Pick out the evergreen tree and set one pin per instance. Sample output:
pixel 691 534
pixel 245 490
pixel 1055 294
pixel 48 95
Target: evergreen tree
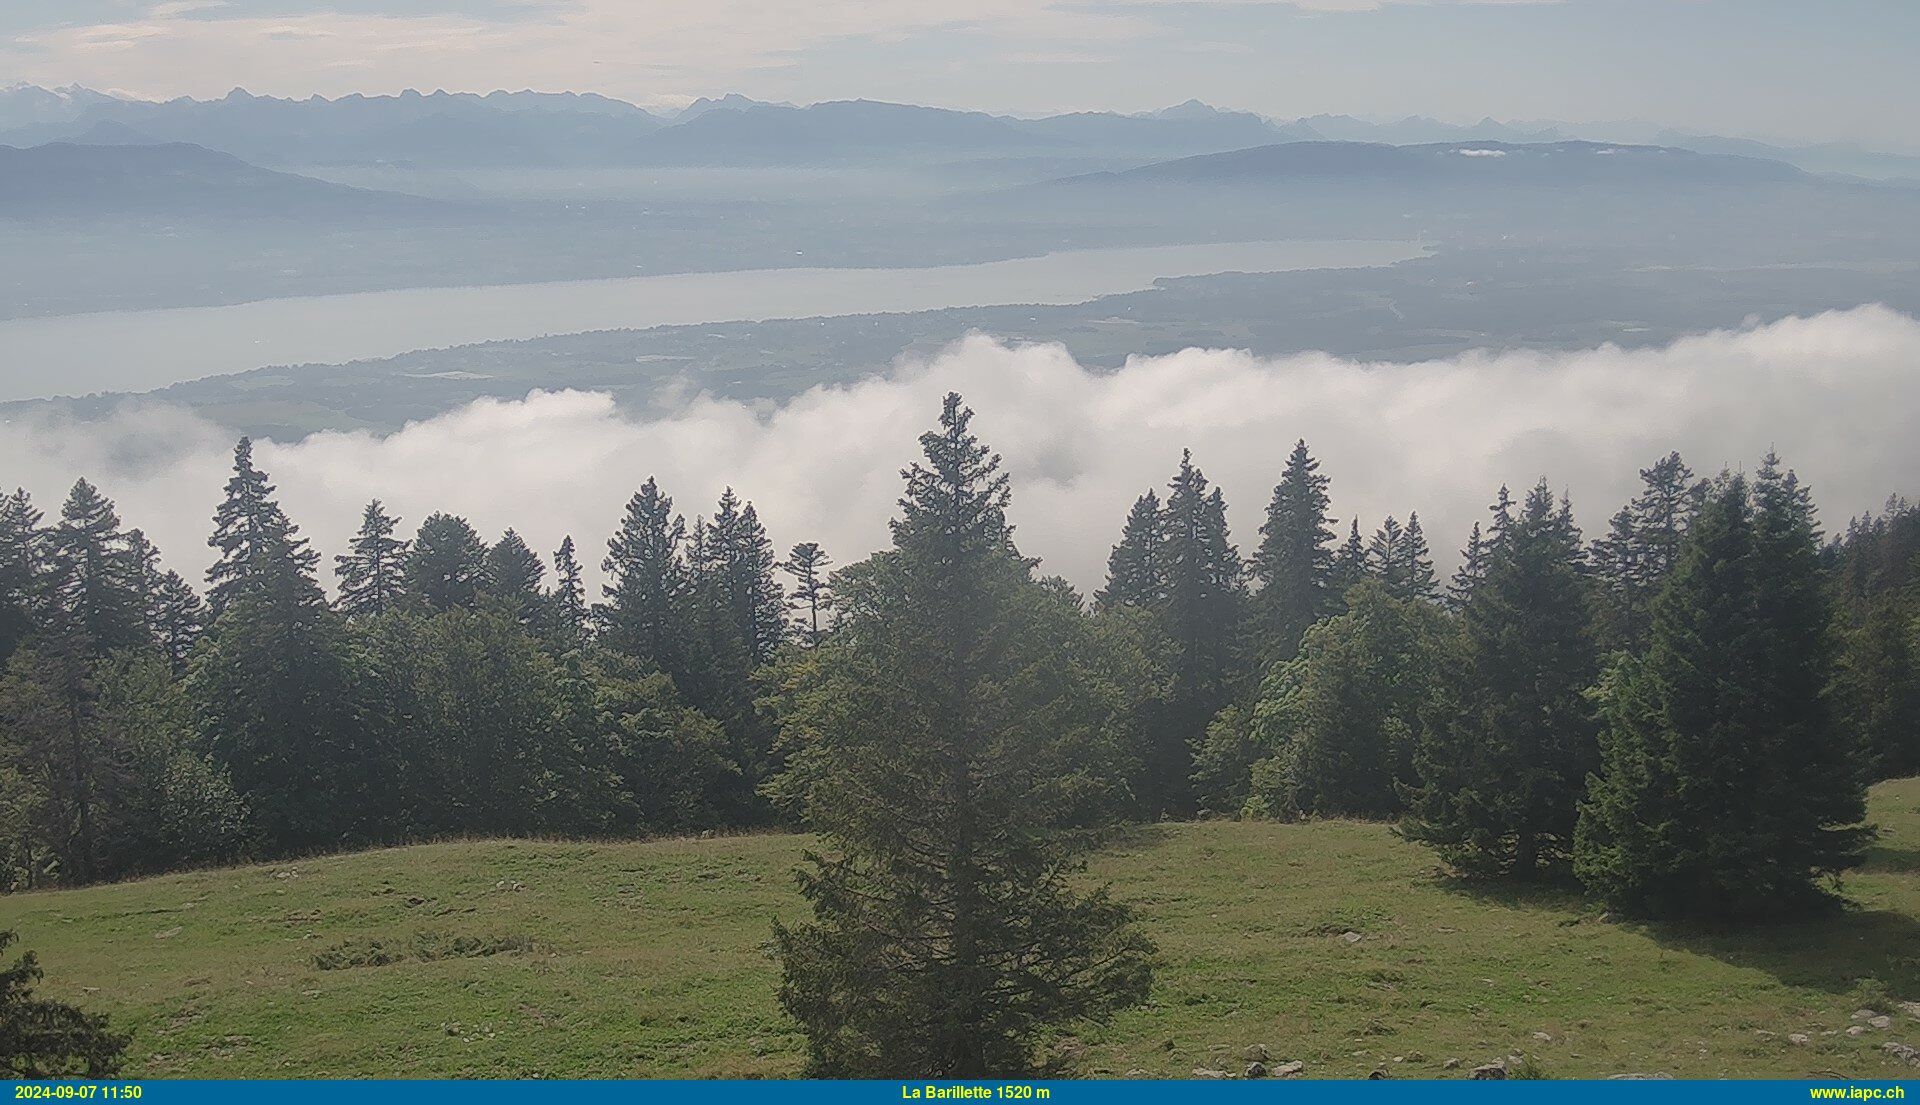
pixel 44 1039
pixel 807 563
pixel 1878 682
pixel 1203 614
pixel 569 597
pixel 1473 569
pixel 1136 569
pixel 1398 557
pixel 1350 563
pixel 372 574
pixel 514 577
pixel 648 582
pixel 744 563
pixel 47 713
pixel 256 543
pixel 1504 757
pixel 1726 790
pixel 1294 564
pixel 949 739
pixel 97 573
pixel 1641 546
pixel 23 564
pixel 179 618
pixel 447 565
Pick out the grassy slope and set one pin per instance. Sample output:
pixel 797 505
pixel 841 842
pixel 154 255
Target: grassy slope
pixel 650 960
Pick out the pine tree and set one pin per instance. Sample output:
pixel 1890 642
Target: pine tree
pixel 569 596
pixel 1641 546
pixel 1398 558
pixel 949 743
pixel 744 559
pixel 255 541
pixel 23 566
pixel 1136 571
pixel 179 619
pixel 1350 563
pixel 643 614
pixel 514 577
pixel 372 573
pixel 1473 569
pixel 1294 564
pixel 97 576
pixel 1504 757
pixel 43 1039
pixel 807 563
pixel 1726 789
pixel 447 565
pixel 1203 614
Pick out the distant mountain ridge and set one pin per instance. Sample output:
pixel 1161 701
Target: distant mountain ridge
pixel 535 129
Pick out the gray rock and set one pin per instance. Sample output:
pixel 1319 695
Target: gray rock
pixel 1257 1053
pixel 1911 1009
pixel 1289 1070
pixel 1451 1064
pixel 1904 1052
pixel 1856 1030
pixel 1209 1072
pixel 1865 1014
pixel 1256 1069
pixel 1377 1075
pixel 1543 1037
pixel 1880 1022
pixel 1350 937
pixel 1799 1039
pixel 1489 1072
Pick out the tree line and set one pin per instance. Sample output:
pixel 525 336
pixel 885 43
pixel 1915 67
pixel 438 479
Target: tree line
pixel 1683 714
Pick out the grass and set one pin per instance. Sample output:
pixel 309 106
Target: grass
pixel 515 959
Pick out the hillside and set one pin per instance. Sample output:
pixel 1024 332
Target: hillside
pixel 174 179
pixel 1330 943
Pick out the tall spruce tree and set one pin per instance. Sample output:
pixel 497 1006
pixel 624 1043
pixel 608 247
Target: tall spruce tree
pixel 1350 562
pixel 372 573
pixel 98 573
pixel 256 543
pixel 569 596
pixel 744 561
pixel 45 1039
pixel 1726 788
pixel 23 564
pixel 1136 569
pixel 1398 558
pixel 446 568
pixel 807 563
pixel 1472 569
pixel 1641 547
pixel 648 581
pixel 1504 757
pixel 949 742
pixel 1294 564
pixel 514 578
pixel 179 619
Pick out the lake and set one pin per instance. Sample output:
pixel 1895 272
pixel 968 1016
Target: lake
pixel 143 350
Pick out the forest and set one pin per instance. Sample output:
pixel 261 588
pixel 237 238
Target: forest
pixel 1682 715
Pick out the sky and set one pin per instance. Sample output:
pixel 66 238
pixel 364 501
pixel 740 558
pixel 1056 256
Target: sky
pixel 1782 69
pixel 1438 437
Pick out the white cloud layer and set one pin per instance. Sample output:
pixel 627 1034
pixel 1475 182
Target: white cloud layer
pixel 1834 393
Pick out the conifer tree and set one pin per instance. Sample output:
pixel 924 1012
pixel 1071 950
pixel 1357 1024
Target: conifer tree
pixel 1204 615
pixel 1472 569
pixel 1641 546
pixel 1350 563
pixel 179 618
pixel 744 562
pixel 1136 569
pixel 948 742
pixel 1726 789
pixel 256 543
pixel 514 577
pixel 807 563
pixel 98 573
pixel 372 572
pixel 1399 559
pixel 648 582
pixel 1504 757
pixel 23 564
pixel 44 1039
pixel 446 567
pixel 1294 564
pixel 569 596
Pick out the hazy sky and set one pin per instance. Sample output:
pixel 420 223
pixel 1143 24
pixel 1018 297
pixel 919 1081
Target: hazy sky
pixel 1782 68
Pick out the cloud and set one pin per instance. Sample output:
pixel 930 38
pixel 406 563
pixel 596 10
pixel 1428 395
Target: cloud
pixel 1833 393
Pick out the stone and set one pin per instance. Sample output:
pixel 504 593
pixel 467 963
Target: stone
pixel 1638 1077
pixel 1451 1064
pixel 1136 1072
pixel 1543 1037
pixel 1257 1053
pixel 1880 1022
pixel 1911 1009
pixel 1289 1070
pixel 1256 1069
pixel 1857 1030
pixel 1489 1072
pixel 1865 1014
pixel 1799 1039
pixel 1904 1052
pixel 1350 937
pixel 1377 1075
pixel 1209 1072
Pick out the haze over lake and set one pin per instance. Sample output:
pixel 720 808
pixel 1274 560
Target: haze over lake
pixel 141 350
